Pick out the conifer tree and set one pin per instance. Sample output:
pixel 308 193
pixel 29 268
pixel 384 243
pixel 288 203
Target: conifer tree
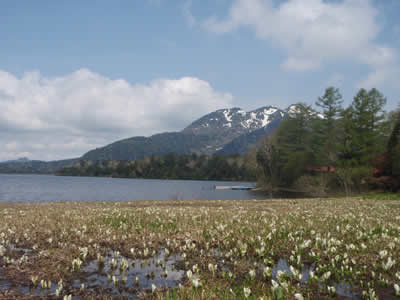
pixel 326 130
pixel 331 104
pixel 290 151
pixel 366 128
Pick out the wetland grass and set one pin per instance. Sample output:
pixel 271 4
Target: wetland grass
pixel 253 249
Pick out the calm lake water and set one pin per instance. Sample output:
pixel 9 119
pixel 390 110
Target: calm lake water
pixel 48 188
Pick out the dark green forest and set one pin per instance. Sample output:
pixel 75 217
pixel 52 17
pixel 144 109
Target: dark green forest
pixel 170 166
pixel 334 149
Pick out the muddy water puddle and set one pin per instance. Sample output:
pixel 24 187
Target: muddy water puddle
pixel 117 275
pixel 112 275
pixel 121 275
pixel 343 289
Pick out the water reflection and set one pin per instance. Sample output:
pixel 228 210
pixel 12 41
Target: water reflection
pixel 123 276
pixel 120 276
pixel 113 275
pixel 343 289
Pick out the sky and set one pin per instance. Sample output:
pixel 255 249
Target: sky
pixel 76 75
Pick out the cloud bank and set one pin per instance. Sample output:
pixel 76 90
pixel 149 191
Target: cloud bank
pixel 316 32
pixel 63 117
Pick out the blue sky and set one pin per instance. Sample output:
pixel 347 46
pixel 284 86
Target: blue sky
pixel 79 74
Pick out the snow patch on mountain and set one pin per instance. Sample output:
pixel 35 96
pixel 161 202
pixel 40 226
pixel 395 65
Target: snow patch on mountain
pixel 265 121
pixel 227 116
pixel 270 111
pixel 292 110
pixel 231 122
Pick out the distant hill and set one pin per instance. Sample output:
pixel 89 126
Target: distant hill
pixel 140 147
pixel 21 159
pixel 35 166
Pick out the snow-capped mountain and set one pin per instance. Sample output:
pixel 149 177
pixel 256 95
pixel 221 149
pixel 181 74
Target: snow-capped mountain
pixel 235 119
pixel 225 125
pixel 225 131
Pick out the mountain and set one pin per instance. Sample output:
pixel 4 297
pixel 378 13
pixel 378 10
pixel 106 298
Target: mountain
pixel 225 131
pixel 207 135
pixel 225 125
pixel 243 143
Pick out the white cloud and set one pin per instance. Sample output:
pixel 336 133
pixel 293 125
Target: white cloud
pixel 386 76
pixel 314 32
pixel 385 69
pixel 52 118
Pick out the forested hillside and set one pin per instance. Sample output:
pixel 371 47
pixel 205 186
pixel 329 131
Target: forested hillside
pixel 170 166
pixel 140 147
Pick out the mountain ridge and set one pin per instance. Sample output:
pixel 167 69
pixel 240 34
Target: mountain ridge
pixel 206 135
pixel 224 131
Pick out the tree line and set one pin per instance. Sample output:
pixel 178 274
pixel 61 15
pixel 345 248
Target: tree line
pixel 334 149
pixel 170 166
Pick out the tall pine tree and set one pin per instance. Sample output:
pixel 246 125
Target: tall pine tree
pixel 367 125
pixel 326 129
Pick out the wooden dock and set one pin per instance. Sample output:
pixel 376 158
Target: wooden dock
pixel 234 188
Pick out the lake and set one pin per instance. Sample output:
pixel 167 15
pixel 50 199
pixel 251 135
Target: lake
pixel 48 188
